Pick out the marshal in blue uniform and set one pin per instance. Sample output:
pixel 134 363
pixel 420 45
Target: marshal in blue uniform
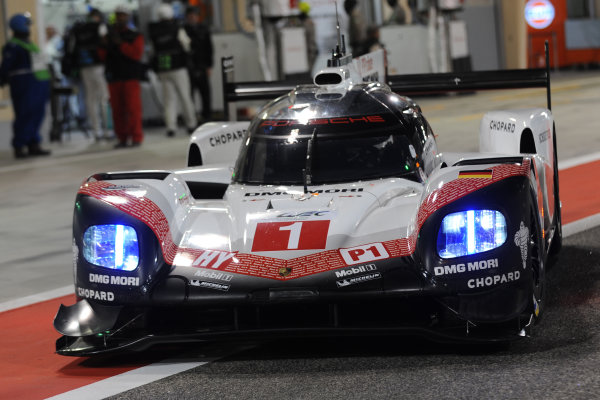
pixel 24 69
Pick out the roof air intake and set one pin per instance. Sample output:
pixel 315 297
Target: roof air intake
pixel 328 78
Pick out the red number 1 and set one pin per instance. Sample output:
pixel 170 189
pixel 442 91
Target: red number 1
pixel 300 235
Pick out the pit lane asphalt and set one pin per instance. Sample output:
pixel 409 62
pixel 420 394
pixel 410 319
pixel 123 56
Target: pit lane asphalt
pixel 561 360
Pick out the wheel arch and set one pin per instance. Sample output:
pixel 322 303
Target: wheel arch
pixel 194 156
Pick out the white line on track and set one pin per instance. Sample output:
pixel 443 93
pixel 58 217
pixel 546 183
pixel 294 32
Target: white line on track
pixel 575 161
pixel 36 298
pixel 581 225
pixel 132 379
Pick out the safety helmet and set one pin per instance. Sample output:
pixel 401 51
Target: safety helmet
pixel 20 23
pixel 304 7
pixel 165 11
pixel 122 9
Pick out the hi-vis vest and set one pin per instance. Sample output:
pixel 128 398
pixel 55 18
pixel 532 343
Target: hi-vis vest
pixel 39 67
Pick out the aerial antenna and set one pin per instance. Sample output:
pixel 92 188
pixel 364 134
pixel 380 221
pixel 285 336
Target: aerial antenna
pixel 337 21
pixel 338 54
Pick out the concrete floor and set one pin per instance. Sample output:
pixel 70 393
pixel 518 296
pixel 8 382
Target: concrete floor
pixel 36 196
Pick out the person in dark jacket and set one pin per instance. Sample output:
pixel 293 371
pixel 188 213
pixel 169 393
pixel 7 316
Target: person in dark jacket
pixel 171 45
pixel 25 70
pixel 124 70
pixel 83 43
pixel 357 28
pixel 201 59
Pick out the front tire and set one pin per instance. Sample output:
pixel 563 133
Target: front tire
pixel 557 238
pixel 538 269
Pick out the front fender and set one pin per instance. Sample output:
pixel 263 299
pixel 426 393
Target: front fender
pixel 216 142
pixel 493 285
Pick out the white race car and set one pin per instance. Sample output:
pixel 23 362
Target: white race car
pixel 332 212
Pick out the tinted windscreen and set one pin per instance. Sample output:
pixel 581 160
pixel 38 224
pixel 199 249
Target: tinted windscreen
pixel 340 152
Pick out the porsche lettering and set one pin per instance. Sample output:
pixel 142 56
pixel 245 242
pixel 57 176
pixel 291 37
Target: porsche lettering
pixel 367 119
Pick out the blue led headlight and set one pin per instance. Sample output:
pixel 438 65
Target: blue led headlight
pixel 470 232
pixel 111 246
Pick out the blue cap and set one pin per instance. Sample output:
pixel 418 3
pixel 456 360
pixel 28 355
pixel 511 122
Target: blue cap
pixel 20 23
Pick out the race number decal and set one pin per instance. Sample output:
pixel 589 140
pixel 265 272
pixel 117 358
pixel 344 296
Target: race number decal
pixel 298 235
pixel 364 253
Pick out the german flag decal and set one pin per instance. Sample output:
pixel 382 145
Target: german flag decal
pixel 476 174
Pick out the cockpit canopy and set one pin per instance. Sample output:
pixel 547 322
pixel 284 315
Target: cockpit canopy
pixel 365 133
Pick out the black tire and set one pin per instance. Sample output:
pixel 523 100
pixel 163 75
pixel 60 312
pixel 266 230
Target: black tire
pixel 538 267
pixel 557 239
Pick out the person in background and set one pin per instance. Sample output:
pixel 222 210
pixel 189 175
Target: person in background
pixel 401 13
pixel 124 48
pixel 356 30
pixel 310 35
pixel 171 46
pixel 53 50
pixel 372 42
pixel 201 59
pixel 82 50
pixel 24 68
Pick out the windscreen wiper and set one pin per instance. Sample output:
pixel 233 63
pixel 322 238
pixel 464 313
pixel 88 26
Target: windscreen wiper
pixel 307 171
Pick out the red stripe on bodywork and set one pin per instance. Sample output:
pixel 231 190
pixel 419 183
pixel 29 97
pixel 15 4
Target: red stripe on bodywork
pixel 148 212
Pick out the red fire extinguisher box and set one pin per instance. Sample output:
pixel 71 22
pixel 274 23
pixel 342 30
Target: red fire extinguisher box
pixel 573 33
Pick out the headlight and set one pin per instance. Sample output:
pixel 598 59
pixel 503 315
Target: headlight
pixel 470 232
pixel 111 246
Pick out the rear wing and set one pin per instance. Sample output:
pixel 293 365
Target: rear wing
pixel 401 84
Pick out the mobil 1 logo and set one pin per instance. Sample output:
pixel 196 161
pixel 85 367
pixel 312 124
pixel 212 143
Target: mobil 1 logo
pixel 354 275
pixel 360 269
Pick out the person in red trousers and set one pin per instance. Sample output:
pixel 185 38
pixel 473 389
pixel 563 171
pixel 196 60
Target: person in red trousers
pixel 122 52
